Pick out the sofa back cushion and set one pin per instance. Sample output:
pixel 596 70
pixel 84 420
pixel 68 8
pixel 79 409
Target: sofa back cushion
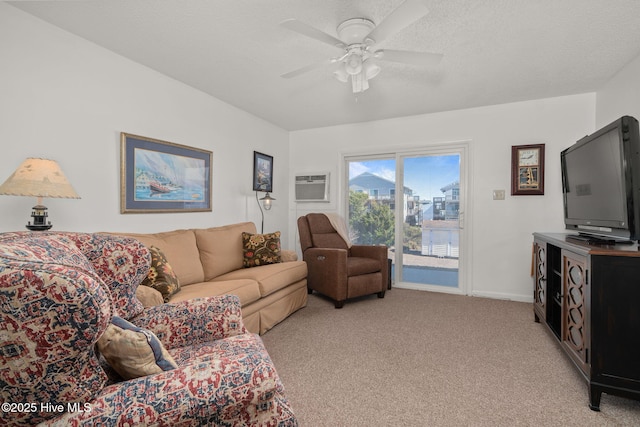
pixel 55 310
pixel 181 251
pixel 221 248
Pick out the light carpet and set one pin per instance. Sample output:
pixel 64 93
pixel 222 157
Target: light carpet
pixel 430 359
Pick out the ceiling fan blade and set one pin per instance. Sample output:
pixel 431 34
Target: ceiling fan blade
pixel 424 59
pixel 405 14
pixel 309 31
pixel 306 69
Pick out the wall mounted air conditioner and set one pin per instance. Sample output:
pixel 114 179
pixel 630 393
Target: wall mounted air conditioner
pixel 312 187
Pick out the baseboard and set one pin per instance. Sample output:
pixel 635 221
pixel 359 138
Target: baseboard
pixel 457 291
pixel 500 295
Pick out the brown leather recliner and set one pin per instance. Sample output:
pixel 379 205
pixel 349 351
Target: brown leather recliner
pixel 337 270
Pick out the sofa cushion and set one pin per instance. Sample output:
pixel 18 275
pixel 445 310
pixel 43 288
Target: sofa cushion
pixel 132 351
pixel 161 276
pixel 181 251
pixel 247 290
pixel 221 248
pixel 270 277
pixel 260 249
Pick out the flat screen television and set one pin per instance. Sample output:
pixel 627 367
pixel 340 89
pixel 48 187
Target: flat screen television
pixel 601 184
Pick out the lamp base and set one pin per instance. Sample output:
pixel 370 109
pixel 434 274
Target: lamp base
pixel 39 215
pixel 38 227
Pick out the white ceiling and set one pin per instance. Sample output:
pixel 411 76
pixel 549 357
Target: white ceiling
pixel 495 51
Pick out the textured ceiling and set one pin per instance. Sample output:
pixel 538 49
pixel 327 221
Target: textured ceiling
pixel 495 51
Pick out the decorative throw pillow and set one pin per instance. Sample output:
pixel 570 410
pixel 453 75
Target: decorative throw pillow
pixel 260 249
pixel 161 276
pixel 132 351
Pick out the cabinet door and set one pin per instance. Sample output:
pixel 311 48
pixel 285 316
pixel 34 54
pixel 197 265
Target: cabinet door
pixel 574 323
pixel 540 279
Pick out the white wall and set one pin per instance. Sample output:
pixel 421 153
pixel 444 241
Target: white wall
pixel 64 98
pixel 500 231
pixel 620 96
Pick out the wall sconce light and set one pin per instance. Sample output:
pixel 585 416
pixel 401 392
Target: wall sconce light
pixel 39 178
pixel 266 202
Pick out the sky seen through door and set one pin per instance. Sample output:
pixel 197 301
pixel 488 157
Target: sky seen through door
pixel 438 170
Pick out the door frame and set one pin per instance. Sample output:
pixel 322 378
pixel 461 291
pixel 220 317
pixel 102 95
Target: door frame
pixel 463 148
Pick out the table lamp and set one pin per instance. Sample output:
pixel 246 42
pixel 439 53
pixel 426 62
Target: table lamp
pixel 39 178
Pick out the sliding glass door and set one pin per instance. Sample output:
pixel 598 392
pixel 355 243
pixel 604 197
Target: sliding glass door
pixel 430 227
pixel 410 202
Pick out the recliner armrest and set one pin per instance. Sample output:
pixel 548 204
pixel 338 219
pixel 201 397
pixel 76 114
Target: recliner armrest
pixel 326 255
pixel 369 251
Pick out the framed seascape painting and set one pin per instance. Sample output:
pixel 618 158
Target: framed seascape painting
pixel 262 172
pixel 158 176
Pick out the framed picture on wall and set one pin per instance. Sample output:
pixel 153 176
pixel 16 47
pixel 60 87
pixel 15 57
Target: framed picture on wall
pixel 159 176
pixel 262 172
pixel 527 169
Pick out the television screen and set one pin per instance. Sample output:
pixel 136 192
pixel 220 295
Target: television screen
pixel 600 181
pixel 594 190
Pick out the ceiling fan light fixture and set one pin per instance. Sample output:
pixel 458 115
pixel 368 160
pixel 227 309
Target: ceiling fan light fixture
pixel 353 63
pixel 371 70
pixel 359 83
pixel 341 75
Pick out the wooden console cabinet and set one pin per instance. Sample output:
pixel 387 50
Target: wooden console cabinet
pixel 589 298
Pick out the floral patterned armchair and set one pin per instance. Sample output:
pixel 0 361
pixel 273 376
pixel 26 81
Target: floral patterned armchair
pixel 58 295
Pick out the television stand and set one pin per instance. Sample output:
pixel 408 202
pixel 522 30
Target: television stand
pixel 587 297
pixel 598 240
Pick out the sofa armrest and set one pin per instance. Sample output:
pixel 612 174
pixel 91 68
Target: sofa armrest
pixel 148 296
pixel 288 256
pixel 194 321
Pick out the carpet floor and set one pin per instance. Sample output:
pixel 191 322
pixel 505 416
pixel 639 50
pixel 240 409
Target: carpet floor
pixel 430 359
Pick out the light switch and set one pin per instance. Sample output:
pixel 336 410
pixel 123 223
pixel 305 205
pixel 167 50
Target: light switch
pixel 498 194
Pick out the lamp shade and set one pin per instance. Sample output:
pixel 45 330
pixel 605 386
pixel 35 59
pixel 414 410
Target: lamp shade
pixel 266 201
pixel 38 178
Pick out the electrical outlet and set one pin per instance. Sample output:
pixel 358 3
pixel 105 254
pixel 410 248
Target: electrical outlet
pixel 498 194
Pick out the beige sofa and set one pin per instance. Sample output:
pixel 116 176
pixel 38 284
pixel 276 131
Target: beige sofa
pixel 209 262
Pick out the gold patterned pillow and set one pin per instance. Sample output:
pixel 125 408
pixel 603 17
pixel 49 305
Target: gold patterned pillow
pixel 260 249
pixel 161 276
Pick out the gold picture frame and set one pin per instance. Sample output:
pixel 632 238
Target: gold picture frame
pixel 159 176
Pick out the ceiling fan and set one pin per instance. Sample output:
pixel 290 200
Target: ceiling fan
pixel 357 38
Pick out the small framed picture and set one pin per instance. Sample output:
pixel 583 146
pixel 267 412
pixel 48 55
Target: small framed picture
pixel 262 172
pixel 159 176
pixel 527 170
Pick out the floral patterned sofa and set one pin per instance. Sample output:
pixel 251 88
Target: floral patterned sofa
pixel 60 292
